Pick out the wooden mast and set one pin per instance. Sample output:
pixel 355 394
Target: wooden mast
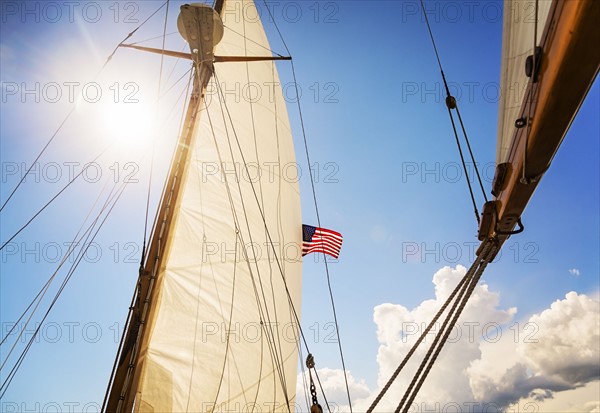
pixel 569 64
pixel 122 388
pixel 121 392
pixel 126 366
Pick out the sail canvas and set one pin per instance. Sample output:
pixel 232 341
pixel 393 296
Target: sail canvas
pixel 222 335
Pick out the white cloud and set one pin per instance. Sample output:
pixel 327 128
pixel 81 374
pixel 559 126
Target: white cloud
pixel 568 341
pixel 579 400
pixel 491 361
pixel 334 388
pixel 575 272
pixel 399 327
pixel 556 350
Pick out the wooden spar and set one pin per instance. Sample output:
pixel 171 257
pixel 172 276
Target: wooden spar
pixel 217 59
pixel 129 363
pixel 568 68
pixel 120 391
pixel 171 53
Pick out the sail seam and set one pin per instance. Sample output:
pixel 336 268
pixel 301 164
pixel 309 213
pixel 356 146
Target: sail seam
pixel 279 357
pixel 238 236
pixel 268 329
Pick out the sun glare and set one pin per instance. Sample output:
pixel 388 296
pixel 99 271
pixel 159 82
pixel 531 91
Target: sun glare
pixel 130 124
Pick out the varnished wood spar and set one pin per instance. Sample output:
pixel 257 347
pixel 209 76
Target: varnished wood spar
pixel 155 252
pixel 217 59
pixel 180 55
pixel 131 361
pixel 220 59
pixel 568 68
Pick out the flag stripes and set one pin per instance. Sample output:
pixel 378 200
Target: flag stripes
pixel 323 240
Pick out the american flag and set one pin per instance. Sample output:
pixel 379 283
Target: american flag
pixel 315 239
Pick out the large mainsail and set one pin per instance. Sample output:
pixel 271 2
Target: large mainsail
pixel 519 26
pixel 221 330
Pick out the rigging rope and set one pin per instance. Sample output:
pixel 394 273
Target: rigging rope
pixel 157 230
pixel 436 342
pixel 452 104
pixel 120 348
pixel 224 109
pixel 16 323
pixel 42 292
pixel 162 58
pixel 108 59
pixel 466 286
pixel 268 330
pixel 417 343
pixel 271 243
pixel 260 185
pixel 53 198
pixel 69 252
pixel 252 41
pixel 8 380
pixel 233 281
pixel 471 153
pixel 176 82
pixel 46 286
pixel 276 258
pixel 6 383
pixel 488 253
pixel 175 66
pixel 303 375
pixel 459 297
pixel 154 38
pixel 39 156
pixel 133 354
pixel 337 329
pixel 186 90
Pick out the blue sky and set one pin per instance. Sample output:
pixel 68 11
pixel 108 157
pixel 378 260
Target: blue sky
pixel 380 138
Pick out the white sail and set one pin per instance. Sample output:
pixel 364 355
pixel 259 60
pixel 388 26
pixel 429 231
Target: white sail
pixel 517 44
pixel 222 334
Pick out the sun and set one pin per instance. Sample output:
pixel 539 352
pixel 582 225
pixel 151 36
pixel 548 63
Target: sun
pixel 129 124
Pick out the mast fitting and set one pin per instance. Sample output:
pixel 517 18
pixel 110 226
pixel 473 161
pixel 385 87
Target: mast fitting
pixel 531 61
pixel 201 26
pixel 316 407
